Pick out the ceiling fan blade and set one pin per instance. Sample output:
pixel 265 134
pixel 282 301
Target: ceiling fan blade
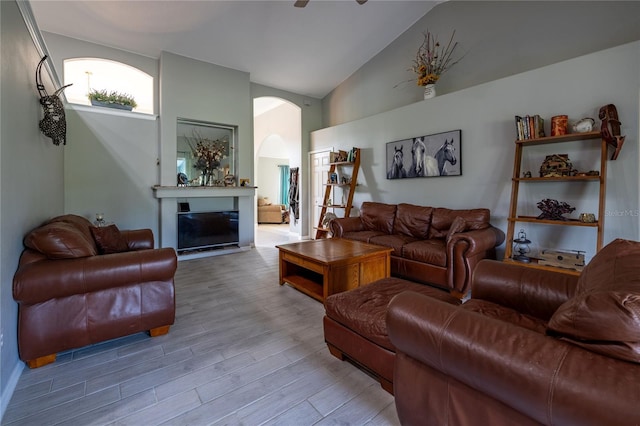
pixel 361 1
pixel 301 3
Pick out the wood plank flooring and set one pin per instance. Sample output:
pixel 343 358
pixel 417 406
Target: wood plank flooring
pixel 243 351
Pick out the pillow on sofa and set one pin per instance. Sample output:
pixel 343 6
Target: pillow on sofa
pixel 604 314
pixel 443 218
pixel 378 216
pixel 458 225
pixel 412 220
pixel 263 202
pixel 59 240
pixel 109 239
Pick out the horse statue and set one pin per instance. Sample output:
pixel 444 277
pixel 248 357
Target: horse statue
pixel 419 153
pixel 397 170
pixel 435 166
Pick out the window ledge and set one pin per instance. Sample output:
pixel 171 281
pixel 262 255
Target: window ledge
pixel 110 111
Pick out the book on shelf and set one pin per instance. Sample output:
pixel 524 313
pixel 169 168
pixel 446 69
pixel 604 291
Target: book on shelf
pixel 529 127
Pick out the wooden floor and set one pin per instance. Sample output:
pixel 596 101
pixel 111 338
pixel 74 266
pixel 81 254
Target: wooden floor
pixel 243 351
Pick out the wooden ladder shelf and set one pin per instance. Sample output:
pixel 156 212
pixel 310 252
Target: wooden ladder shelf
pixel 334 167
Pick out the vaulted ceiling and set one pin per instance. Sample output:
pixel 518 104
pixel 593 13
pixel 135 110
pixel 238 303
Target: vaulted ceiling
pixel 308 50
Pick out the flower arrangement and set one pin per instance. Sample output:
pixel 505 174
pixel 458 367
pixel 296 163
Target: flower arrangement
pixel 207 152
pixel 432 59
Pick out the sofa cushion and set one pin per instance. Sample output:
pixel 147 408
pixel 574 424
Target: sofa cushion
pixel 604 314
pixel 364 309
pixel 363 236
pixel 60 240
pixel 378 216
pixel 432 251
pixel 109 239
pixel 413 221
pixel 396 242
pixel 443 218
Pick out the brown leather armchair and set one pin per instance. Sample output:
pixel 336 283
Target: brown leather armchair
pixel 70 295
pixel 530 347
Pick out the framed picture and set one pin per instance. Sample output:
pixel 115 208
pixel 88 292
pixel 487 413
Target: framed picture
pixel 425 156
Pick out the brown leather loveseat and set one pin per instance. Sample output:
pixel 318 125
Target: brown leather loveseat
pixel 77 285
pixel 530 347
pixel 436 246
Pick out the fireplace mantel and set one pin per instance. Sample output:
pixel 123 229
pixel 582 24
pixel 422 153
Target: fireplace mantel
pixel 237 198
pixel 203 191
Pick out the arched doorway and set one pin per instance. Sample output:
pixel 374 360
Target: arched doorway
pixel 277 130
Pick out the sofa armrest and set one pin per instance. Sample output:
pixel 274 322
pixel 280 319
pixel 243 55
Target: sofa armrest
pixel 548 380
pixel 138 239
pixel 345 224
pixel 43 280
pixel 465 250
pixel 535 292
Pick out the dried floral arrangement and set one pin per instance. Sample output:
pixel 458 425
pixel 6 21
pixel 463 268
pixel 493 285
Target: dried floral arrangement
pixel 433 59
pixel 207 152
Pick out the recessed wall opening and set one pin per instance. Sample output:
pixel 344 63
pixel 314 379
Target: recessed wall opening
pixel 86 74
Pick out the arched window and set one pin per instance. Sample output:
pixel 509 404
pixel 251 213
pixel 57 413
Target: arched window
pixel 102 74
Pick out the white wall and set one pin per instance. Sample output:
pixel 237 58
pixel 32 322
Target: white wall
pixel 110 167
pixel 31 174
pixel 485 114
pixel 496 39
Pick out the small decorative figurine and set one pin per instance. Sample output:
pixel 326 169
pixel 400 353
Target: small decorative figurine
pixel 584 125
pixel 554 209
pixel 557 165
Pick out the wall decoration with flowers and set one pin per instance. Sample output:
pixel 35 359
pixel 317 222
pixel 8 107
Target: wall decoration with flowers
pixel 432 60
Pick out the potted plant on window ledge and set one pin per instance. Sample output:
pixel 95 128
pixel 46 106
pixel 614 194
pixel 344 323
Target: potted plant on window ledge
pixel 112 99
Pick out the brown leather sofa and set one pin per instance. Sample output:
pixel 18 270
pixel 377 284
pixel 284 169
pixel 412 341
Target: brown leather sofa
pixel 530 347
pixel 436 246
pixel 77 285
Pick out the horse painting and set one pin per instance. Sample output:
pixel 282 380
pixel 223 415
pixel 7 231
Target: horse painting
pixel 397 170
pixel 432 155
pixel 447 152
pixel 419 154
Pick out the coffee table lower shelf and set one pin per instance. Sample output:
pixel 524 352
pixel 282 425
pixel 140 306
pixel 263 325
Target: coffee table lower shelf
pixel 305 285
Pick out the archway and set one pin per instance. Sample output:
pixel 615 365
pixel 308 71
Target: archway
pixel 277 125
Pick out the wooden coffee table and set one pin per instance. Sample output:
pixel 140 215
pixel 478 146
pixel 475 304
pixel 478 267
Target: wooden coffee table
pixel 323 267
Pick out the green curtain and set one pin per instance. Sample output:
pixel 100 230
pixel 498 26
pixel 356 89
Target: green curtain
pixel 284 185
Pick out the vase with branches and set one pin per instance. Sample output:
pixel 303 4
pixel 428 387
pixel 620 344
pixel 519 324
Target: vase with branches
pixel 433 59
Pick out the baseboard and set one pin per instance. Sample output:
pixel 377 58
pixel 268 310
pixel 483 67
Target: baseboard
pixel 7 392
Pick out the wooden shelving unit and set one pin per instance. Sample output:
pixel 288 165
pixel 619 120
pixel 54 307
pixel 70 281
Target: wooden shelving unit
pixel 517 180
pixel 321 231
